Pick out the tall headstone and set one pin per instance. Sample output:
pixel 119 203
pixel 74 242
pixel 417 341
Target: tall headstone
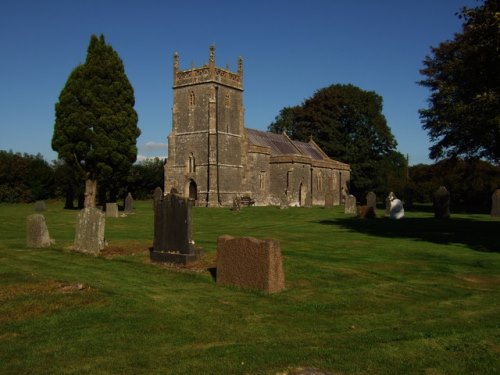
pixel 250 263
pixel 37 233
pixel 350 205
pixel 441 203
pixel 371 200
pixel 495 203
pixel 89 235
pixel 40 206
pixel 129 204
pixel 173 241
pixel 111 210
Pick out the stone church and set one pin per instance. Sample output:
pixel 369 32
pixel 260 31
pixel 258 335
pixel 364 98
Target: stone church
pixel 212 157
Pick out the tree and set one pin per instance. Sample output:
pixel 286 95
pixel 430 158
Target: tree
pixel 347 122
pixel 96 124
pixel 144 177
pixel 463 116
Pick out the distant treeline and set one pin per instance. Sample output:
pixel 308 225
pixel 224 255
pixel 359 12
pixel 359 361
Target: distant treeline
pixel 27 178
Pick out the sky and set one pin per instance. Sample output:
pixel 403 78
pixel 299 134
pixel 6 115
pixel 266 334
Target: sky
pixel 290 48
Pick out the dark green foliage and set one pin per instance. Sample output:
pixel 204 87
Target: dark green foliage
pixel 463 117
pixel 347 122
pixel 96 125
pixel 25 178
pixel 144 177
pixel 470 183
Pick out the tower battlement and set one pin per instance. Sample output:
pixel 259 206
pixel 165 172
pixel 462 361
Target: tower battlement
pixel 208 73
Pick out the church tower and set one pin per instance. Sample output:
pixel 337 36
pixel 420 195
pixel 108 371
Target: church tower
pixel 206 148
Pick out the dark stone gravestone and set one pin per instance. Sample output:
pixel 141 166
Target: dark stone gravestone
pixel 129 204
pixel 40 206
pixel 173 231
pixel 371 200
pixel 89 235
pixel 157 195
pixel 37 233
pixel 350 205
pixel 111 210
pixel 495 203
pixel 441 203
pixel 366 212
pixel 329 199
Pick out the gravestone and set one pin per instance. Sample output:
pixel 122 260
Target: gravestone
pixel 495 203
pixel 129 204
pixel 157 194
pixel 371 200
pixel 366 212
pixel 37 233
pixel 236 203
pixel 396 210
pixel 250 263
pixel 40 206
pixel 329 199
pixel 173 241
pixel 89 235
pixel 111 210
pixel 441 203
pixel 350 204
pixel 388 201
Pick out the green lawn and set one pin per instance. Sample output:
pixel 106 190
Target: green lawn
pixel 416 296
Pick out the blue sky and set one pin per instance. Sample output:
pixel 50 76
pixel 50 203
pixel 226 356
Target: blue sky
pixel 291 48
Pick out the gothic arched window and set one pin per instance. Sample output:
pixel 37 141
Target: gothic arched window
pixel 192 99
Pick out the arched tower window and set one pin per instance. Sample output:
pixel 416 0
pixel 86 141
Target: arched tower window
pixel 192 99
pixel 191 163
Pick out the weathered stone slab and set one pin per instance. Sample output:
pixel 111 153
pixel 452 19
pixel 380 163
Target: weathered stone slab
pixel 329 199
pixel 495 203
pixel 157 194
pixel 250 263
pixel 37 233
pixel 441 203
pixel 366 212
pixel 40 206
pixel 111 210
pixel 89 235
pixel 350 205
pixel 129 204
pixel 371 199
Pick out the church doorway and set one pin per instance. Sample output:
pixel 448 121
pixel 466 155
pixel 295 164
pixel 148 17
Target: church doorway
pixel 302 195
pixel 192 192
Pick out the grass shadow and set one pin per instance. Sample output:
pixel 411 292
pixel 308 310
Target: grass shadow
pixel 478 235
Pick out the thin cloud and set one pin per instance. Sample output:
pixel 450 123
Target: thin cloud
pixel 150 146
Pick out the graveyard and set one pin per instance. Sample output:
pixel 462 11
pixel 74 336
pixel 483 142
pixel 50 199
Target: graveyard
pixel 378 296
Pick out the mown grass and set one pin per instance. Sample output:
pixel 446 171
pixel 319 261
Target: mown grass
pixel 416 296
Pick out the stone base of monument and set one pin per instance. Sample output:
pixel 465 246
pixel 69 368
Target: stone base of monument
pixel 175 257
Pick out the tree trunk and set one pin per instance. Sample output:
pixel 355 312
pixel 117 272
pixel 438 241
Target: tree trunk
pixel 90 193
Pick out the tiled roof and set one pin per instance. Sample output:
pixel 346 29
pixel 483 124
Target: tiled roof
pixel 280 144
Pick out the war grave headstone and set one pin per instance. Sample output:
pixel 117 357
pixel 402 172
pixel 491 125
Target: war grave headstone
pixel 129 204
pixel 441 203
pixel 396 208
pixel 371 199
pixel 495 203
pixel 37 233
pixel 250 263
pixel 350 204
pixel 173 241
pixel 40 206
pixel 89 235
pixel 111 209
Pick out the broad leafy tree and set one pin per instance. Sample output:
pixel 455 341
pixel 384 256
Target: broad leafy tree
pixel 96 125
pixel 348 123
pixel 463 75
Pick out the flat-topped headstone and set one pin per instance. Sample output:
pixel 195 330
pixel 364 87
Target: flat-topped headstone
pixel 441 203
pixel 89 235
pixel 37 233
pixel 495 203
pixel 111 210
pixel 371 199
pixel 40 206
pixel 350 205
pixel 250 263
pixel 129 204
pixel 173 241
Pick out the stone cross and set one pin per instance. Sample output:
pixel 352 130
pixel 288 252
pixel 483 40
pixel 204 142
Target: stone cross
pixel 441 203
pixel 495 203
pixel 37 234
pixel 111 210
pixel 89 235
